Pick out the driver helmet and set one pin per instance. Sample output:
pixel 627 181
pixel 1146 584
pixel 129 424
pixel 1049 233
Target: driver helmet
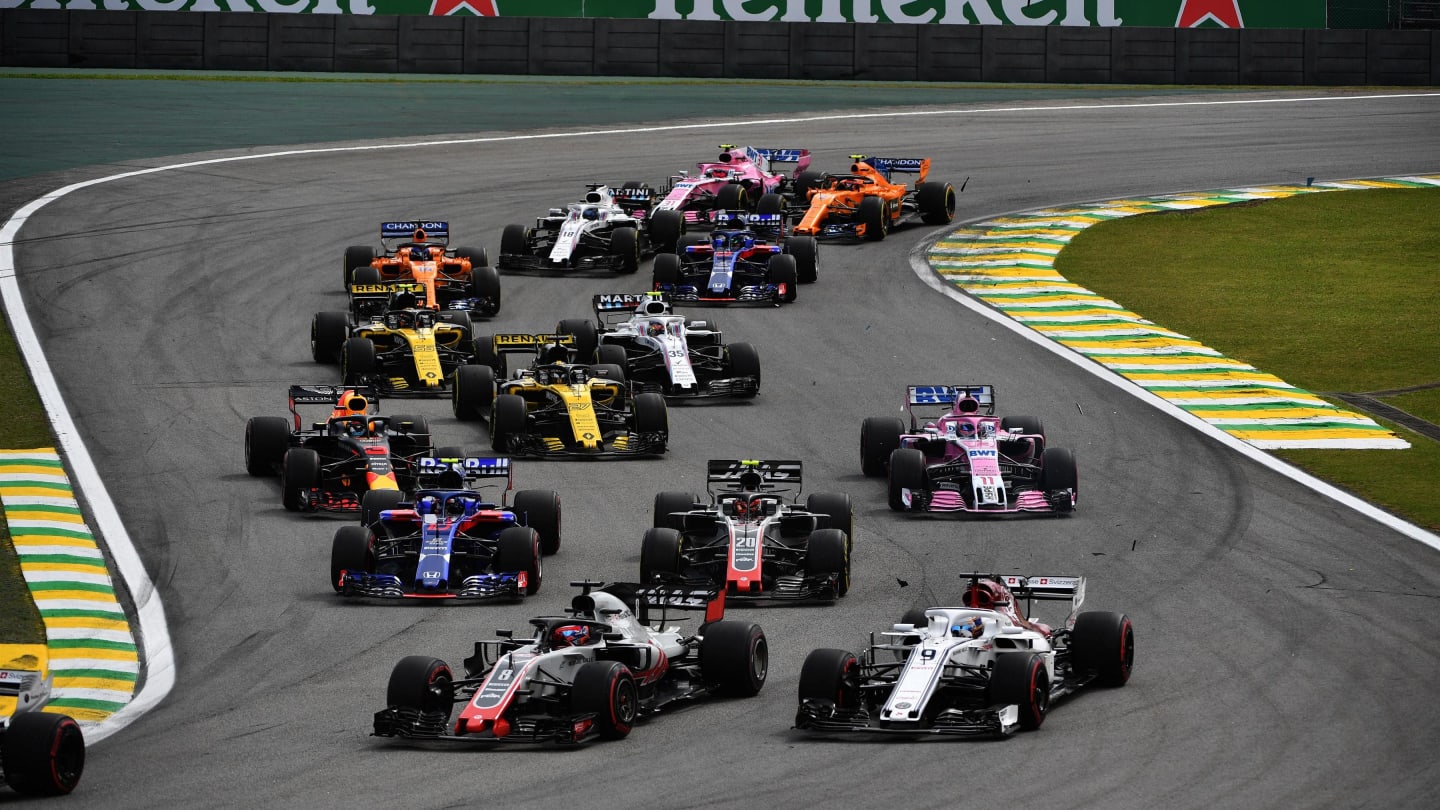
pixel 404 320
pixel 849 184
pixel 455 507
pixel 967 430
pixel 357 429
pixel 569 635
pixel 972 626
pixel 419 254
pixel 591 213
pixel 742 508
pixel 654 328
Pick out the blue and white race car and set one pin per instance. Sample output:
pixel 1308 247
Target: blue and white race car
pixel 449 541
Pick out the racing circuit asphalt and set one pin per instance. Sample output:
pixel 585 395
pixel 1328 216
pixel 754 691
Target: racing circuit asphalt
pixel 1285 645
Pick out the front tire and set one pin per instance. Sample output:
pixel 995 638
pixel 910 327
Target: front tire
pixel 485 285
pixel 349 551
pixel 514 241
pixel 607 690
pixel 874 214
pixel 744 361
pixel 328 331
pixel 1022 680
pixel 473 392
pixel 357 360
pixel 518 549
pixel 625 244
pixel 666 272
pixel 421 683
pixel 508 422
pixel 665 228
pixel 662 551
pixel 266 440
pixel 652 417
pixel 42 753
pixel 831 676
pixel 781 271
pixel 907 471
pixel 299 473
pixel 827 553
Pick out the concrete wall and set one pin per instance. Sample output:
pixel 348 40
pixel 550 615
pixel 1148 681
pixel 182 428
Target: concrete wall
pixel 770 50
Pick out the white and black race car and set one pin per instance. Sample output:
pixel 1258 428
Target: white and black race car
pixel 610 229
pixel 664 352
pixel 978 669
pixel 591 673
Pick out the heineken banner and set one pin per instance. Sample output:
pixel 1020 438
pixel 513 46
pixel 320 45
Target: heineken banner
pixel 1106 13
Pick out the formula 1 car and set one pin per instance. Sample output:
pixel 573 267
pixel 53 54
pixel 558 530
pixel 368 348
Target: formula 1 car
pixel 664 352
pixel 968 460
pixel 557 408
pixel 591 673
pixel 42 753
pixel 736 181
pixel 746 260
pixel 981 669
pixel 865 203
pixel 388 342
pixel 448 541
pixel 607 230
pixel 419 251
pixel 330 465
pixel 750 540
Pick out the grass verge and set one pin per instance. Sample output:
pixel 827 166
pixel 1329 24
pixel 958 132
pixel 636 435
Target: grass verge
pixel 24 427
pixel 1334 292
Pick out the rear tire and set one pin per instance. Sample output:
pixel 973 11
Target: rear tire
pixel 1103 643
pixel 367 275
pixel 587 337
pixel 1021 679
pixel 770 204
pixel 837 513
pixel 731 197
pixel 518 549
pixel 42 753
pixel 804 181
pixel 540 510
pixel 473 392
pixel 879 437
pixel 508 422
pixel 478 257
pixel 907 471
pixel 607 690
pixel 807 257
pixel 662 551
pixel 667 504
pixel 610 354
pixel 356 256
pixel 349 551
pixel 827 552
pixel 375 501
pixel 299 473
pixel 874 214
pixel 625 243
pixel 936 202
pixel 266 440
pixel 780 270
pixel 734 658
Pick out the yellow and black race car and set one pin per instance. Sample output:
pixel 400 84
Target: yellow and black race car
pixel 388 342
pixel 558 408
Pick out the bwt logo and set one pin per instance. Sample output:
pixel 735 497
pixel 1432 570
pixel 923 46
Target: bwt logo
pixel 981 453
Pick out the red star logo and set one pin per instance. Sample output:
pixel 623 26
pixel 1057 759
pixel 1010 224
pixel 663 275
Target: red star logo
pixel 480 8
pixel 1225 13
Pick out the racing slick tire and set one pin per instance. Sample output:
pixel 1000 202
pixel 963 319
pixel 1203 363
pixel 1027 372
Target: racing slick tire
pixel 460 318
pixel 518 549
pixel 907 471
pixel 423 684
pixel 266 440
pixel 328 331
pixel 667 504
pixel 651 417
pixel 827 552
pixel 734 658
pixel 609 371
pixel 1103 643
pixel 587 337
pixel 408 441
pixel 770 204
pixel 831 676
pixel 473 392
pixel 514 240
pixel 1023 424
pixel 691 240
pixel 448 451
pixel 806 251
pixel 486 355
pixel 607 690
pixel 508 421
pixel 357 360
pixel 662 551
pixel 874 214
pixel 1021 679
pixel 915 617
pixel 936 202
pixel 485 285
pixel 732 197
pixel 367 275
pixel 625 244
pixel 356 256
pixel 610 354
pixel 375 501
pixel 836 512
pixel 540 510
pixel 478 257
pixel 666 271
pixel 879 437
pixel 744 361
pixel 781 270
pixel 665 227
pixel 804 181
pixel 42 753
pixel 349 551
pixel 1058 472
pixel 299 472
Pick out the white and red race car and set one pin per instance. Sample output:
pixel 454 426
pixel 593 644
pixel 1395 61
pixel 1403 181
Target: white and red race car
pixel 978 669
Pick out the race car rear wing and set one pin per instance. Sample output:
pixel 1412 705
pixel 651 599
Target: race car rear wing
pixel 1039 588
pixel 944 396
pixel 434 230
pixel 331 396
pixel 752 475
pixel 370 300
pixel 457 472
pixel 629 198
pixel 688 597
pixel 766 224
pixel 891 165
pixel 765 157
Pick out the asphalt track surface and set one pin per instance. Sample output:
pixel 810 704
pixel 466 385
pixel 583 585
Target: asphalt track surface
pixel 1285 645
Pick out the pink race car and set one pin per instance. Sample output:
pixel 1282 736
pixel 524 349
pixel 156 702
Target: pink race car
pixel 967 459
pixel 735 182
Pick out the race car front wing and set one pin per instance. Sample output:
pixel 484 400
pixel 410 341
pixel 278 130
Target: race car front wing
pixel 474 587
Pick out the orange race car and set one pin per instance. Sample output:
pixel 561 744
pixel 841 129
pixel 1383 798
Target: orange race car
pixel 456 279
pixel 866 204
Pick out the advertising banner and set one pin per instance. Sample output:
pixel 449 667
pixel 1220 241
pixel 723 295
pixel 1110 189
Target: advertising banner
pixel 1103 13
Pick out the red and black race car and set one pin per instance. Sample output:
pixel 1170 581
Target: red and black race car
pixel 330 465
